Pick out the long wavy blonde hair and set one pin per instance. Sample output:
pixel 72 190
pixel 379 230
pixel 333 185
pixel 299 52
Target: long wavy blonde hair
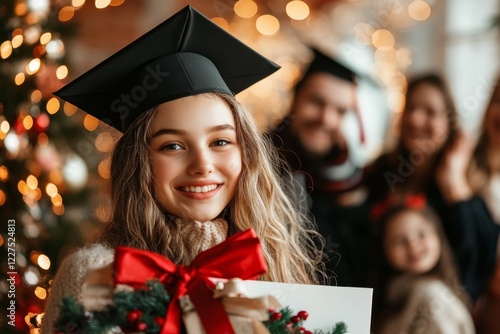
pixel 288 238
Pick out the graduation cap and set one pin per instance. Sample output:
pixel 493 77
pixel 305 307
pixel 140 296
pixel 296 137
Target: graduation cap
pixel 185 55
pixel 326 64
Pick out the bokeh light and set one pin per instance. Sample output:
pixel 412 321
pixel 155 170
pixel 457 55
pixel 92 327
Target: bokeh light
pixel 245 8
pixel 6 49
pixel 221 22
pixel 297 10
pixel 267 25
pixel 383 39
pixel 100 4
pixel 66 13
pixel 62 72
pixel 90 122
pixel 53 105
pixel 419 10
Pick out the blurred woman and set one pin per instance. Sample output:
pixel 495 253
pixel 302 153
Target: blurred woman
pixel 484 178
pixel 432 157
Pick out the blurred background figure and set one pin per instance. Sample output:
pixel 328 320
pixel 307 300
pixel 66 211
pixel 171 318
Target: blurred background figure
pixel 432 157
pixel 416 289
pixel 484 178
pixel 325 175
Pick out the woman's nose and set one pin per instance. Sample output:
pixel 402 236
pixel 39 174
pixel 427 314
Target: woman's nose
pixel 415 117
pixel 200 162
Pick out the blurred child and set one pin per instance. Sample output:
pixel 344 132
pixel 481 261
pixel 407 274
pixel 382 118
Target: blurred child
pixel 417 289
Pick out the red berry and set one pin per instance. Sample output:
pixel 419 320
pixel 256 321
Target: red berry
pixel 159 320
pixel 276 316
pixel 303 315
pixel 308 332
pixel 134 315
pixel 142 326
pixel 295 319
pixel 270 310
pixel 301 330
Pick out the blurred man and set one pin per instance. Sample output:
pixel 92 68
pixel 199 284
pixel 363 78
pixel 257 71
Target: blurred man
pixel 325 176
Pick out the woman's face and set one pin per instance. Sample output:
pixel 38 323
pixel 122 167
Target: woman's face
pixel 493 118
pixel 425 124
pixel 411 243
pixel 196 156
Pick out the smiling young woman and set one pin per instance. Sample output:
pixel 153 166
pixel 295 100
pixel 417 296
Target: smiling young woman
pixel 191 167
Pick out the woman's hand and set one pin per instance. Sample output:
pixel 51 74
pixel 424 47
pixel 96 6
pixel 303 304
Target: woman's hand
pixel 451 173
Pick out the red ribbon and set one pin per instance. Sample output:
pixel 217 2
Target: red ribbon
pixel 240 255
pixel 416 201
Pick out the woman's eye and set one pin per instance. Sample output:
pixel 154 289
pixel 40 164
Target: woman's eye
pixel 221 142
pixel 171 147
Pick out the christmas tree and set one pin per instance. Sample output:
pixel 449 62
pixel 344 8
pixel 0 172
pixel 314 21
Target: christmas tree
pixel 48 160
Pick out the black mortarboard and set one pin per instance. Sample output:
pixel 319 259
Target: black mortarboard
pixel 324 63
pixel 185 55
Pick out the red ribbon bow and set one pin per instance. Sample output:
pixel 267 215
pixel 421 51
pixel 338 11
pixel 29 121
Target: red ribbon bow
pixel 240 255
pixel 416 201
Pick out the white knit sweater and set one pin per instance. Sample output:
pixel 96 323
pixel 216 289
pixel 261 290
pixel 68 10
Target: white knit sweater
pixel 70 278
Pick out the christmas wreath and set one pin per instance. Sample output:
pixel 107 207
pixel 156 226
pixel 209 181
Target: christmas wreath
pixel 150 294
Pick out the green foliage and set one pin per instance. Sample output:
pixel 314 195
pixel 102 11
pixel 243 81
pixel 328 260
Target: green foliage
pixel 152 302
pixel 150 306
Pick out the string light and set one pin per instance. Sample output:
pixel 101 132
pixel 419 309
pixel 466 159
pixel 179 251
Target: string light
pixel 383 39
pixel 104 142
pixel 90 122
pixel 101 4
pixel 69 109
pixel 36 96
pixel 17 41
pixel 45 38
pixel 6 49
pixel 51 189
pixel 23 187
pixel 3 198
pixel 28 122
pixel 32 182
pixel 267 25
pixel 395 101
pixel 53 105
pixel 43 261
pixel 104 169
pixel 419 10
pixel 42 139
pixel 56 200
pixel 4 173
pixel 21 9
pixel 62 72
pixel 55 49
pixel 58 210
pixel 19 79
pixel 116 3
pixel 297 10
pixel 245 8
pixel 40 292
pixel 77 3
pixel 221 22
pixel 33 66
pixel 66 13
pixel 4 126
